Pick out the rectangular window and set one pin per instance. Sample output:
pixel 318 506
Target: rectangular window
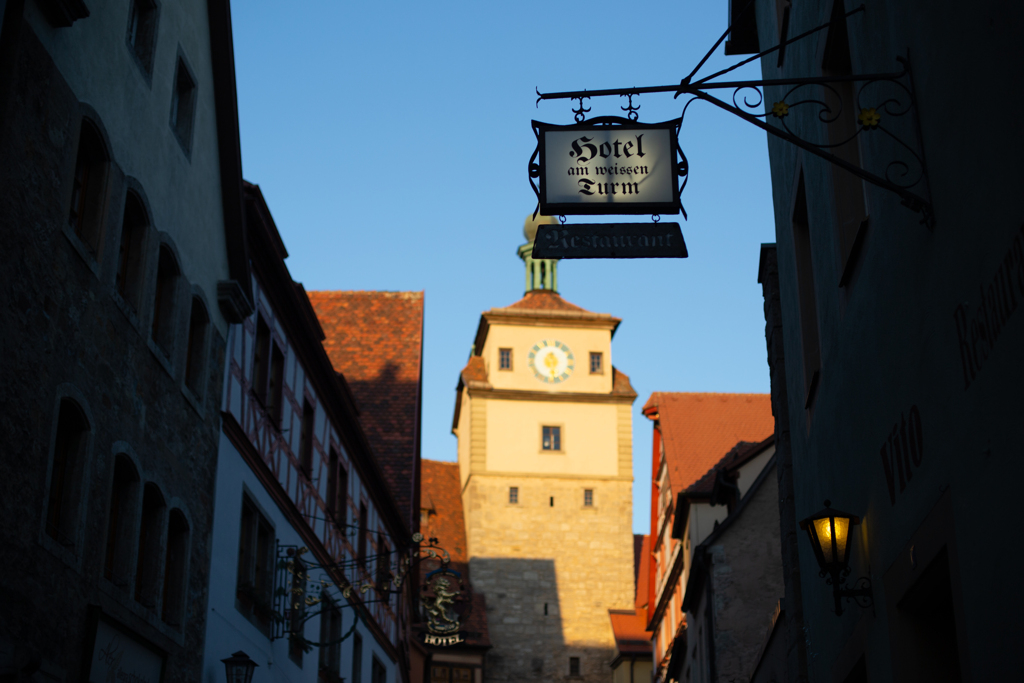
pixel 341 497
pixel 255 582
pixel 504 359
pixel 275 389
pixel 183 107
pixel 596 363
pixel 383 566
pixel 361 549
pixel 847 189
pixel 513 495
pixel 806 289
pixel 331 499
pixel 574 666
pixel 330 634
pixel 261 360
pixel 61 509
pixel 142 32
pixel 551 438
pixel 588 497
pixel 306 445
pixel 378 673
pixel 357 658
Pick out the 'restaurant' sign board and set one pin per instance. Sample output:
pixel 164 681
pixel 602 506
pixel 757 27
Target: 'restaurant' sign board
pixel 608 166
pixel 609 240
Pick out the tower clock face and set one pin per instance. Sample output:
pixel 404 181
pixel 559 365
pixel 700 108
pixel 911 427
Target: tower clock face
pixel 551 361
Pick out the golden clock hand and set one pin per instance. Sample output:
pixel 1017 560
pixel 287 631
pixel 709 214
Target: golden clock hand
pixel 552 362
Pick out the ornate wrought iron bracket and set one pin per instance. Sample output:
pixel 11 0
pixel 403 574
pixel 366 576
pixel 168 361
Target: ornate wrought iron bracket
pixel 880 100
pixel 294 591
pixel 860 593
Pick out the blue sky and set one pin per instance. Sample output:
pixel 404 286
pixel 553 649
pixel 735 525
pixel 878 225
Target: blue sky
pixel 391 141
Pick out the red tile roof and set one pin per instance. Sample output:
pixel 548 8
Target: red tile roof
pixel 475 372
pixel 737 456
pixel 620 383
pixel 628 628
pixel 375 339
pixel 545 300
pixel 442 491
pixel 697 428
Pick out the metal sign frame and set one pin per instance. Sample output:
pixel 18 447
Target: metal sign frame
pixel 604 123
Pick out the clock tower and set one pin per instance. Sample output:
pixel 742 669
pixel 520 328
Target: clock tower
pixel 544 428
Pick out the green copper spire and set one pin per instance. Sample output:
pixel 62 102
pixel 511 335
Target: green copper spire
pixel 540 273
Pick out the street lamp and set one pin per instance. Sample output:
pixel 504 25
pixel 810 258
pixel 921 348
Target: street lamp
pixel 239 667
pixel 829 531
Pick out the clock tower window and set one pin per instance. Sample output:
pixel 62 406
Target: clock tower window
pixel 504 359
pixel 551 438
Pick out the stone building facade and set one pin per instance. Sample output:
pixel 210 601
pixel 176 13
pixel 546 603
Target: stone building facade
pixel 122 264
pixel 894 343
pixel 544 431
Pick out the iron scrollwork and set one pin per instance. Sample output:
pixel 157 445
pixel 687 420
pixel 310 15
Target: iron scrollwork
pixel 297 597
pixel 881 100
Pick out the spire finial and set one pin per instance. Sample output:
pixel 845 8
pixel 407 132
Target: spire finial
pixel 541 274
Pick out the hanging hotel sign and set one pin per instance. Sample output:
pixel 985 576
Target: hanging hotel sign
pixel 607 166
pixel 446 601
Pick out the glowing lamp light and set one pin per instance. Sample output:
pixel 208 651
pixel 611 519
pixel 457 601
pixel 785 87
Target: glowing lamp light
pixel 829 532
pixel 239 668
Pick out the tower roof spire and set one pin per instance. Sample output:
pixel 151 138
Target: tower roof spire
pixel 541 274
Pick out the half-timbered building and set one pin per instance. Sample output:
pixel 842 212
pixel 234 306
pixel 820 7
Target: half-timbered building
pixel 308 542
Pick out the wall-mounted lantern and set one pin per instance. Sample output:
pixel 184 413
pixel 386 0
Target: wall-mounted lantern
pixel 239 668
pixel 829 531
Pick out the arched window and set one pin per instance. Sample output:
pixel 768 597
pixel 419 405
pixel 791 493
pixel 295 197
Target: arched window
pixel 130 253
pixel 175 569
pixel 167 274
pixel 195 362
pixel 65 475
pixel 124 499
pixel 85 216
pixel 147 567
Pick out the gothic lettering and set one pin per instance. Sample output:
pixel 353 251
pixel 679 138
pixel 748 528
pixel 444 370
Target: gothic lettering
pixel 577 150
pixel 902 452
pixel 978 331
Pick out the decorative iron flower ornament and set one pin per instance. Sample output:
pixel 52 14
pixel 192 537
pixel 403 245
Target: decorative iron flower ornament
pixel 869 118
pixel 780 110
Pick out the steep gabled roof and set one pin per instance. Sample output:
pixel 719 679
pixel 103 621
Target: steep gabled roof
pixel 375 340
pixel 442 491
pixel 697 428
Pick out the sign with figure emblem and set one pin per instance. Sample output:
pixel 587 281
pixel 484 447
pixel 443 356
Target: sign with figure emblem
pixel 608 165
pixel 446 602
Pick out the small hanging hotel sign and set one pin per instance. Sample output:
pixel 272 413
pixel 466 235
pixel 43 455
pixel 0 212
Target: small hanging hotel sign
pixel 607 166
